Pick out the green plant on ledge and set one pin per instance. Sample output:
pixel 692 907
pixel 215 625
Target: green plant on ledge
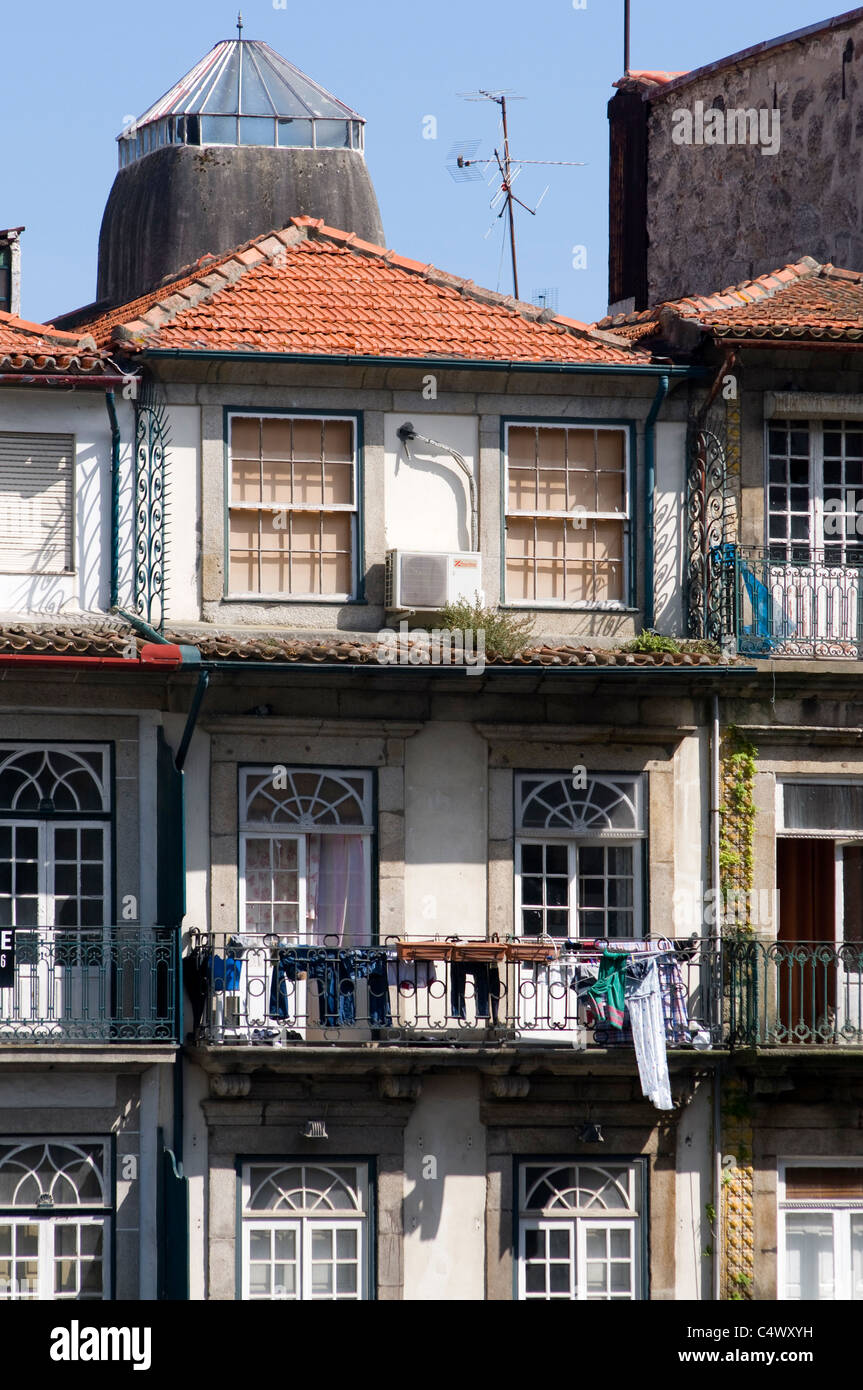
pixel 506 634
pixel 737 822
pixel 649 641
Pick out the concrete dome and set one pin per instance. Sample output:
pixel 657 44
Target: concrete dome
pixel 238 146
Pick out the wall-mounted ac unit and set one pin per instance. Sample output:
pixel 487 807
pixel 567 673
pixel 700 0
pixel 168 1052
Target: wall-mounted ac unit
pixel 427 580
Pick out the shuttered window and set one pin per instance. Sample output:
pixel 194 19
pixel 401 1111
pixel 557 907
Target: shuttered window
pixel 36 481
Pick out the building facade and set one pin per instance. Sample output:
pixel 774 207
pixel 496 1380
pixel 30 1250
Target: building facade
pixel 345 956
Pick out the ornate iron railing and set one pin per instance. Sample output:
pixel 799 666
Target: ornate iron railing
pixel 783 994
pixel 252 990
pixel 807 606
pixel 90 984
pixel 151 494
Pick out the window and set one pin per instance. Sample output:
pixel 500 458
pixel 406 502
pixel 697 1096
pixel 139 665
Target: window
pixel 579 1231
pixel 820 808
pixel 578 856
pixel 54 1220
pixel 566 515
pixel 55 835
pixel 293 507
pixel 36 486
pixel 305 855
pixel 815 491
pixel 821 1230
pixel 305 1231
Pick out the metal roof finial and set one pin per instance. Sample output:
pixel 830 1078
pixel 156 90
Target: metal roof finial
pixel 240 24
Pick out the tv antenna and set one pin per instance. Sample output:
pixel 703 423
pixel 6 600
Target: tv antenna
pixel 465 152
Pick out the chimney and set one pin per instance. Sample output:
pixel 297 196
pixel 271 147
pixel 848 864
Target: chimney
pixel 10 270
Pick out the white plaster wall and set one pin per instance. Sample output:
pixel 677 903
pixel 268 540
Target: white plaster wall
pixel 84 415
pixel 183 514
pixel 694 1189
pixel 446 811
pixel 445 1191
pixel 428 499
pixel 691 833
pixel 669 508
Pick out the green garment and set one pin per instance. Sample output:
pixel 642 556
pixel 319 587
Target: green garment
pixel 607 992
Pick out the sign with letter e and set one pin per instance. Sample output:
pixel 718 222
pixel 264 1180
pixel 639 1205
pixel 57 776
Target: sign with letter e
pixel 7 957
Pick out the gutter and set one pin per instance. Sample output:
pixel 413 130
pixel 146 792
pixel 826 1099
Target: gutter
pixel 151 657
pixel 650 485
pixel 470 672
pixel 94 383
pixel 459 364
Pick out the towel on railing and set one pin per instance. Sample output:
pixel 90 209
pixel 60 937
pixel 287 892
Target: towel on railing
pixel 644 1003
pixel 606 992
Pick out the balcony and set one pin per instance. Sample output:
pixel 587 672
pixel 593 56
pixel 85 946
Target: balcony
pixel 809 604
pixel 112 985
pixel 794 994
pixel 249 990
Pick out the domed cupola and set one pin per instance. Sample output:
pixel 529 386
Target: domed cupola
pixel 239 146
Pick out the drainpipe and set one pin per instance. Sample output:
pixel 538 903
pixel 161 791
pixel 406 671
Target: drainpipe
pixel 115 498
pixel 715 828
pixel 650 485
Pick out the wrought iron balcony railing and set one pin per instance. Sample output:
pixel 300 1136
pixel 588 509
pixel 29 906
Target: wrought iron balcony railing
pixel 790 600
pixel 256 990
pixel 89 985
pixel 794 993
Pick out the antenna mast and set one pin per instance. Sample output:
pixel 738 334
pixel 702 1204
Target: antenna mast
pixel 509 167
pixel 626 4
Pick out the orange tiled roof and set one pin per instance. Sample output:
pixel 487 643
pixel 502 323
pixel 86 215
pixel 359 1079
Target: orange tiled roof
pixel 804 301
pixel 312 289
pixel 38 347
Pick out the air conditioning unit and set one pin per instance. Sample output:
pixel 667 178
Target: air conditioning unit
pixel 422 579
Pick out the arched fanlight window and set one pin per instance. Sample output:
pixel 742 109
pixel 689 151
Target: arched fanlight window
pixel 48 1174
pixel 305 1189
pixel 559 803
pixel 305 798
pixel 579 1187
pixel 47 778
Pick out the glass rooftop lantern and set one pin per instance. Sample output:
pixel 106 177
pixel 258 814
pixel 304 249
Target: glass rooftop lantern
pixel 244 93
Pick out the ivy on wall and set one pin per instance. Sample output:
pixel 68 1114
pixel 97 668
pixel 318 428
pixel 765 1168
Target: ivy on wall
pixel 737 824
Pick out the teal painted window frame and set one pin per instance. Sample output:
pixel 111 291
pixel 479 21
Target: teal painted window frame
pixel 630 528
pixel 359 562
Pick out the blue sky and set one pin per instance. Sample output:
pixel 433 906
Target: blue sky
pixel 74 71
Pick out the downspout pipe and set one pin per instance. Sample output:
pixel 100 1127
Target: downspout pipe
pixel 111 407
pixel 650 487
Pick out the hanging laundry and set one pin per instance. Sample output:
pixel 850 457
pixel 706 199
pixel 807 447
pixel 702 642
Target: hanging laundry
pixel 646 1018
pixel 607 992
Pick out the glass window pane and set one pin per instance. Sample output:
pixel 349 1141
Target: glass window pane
pixel 259 1245
pixel 295 134
pixel 558 1278
pixel 809 1258
pixel 257 130
pixel 322 1245
pixel 559 1244
pixel 332 135
pixel 322 1278
pixel 346 1245
pixel 535 1278
pixel 346 1279
pixel 219 130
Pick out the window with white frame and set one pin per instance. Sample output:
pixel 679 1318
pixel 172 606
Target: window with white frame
pixel 55 824
pixel 305 1231
pixel 578 856
pixel 305 854
pixel 579 1231
pixel 821 1230
pixel 55 1218
pixel 292 506
pixel 36 512
pixel 815 491
pixel 567 511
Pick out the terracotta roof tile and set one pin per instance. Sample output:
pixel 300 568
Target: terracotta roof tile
pixel 40 348
pixel 800 302
pixel 312 289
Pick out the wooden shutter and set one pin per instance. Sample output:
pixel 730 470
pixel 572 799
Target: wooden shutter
pixel 36 487
pixel 823 1184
